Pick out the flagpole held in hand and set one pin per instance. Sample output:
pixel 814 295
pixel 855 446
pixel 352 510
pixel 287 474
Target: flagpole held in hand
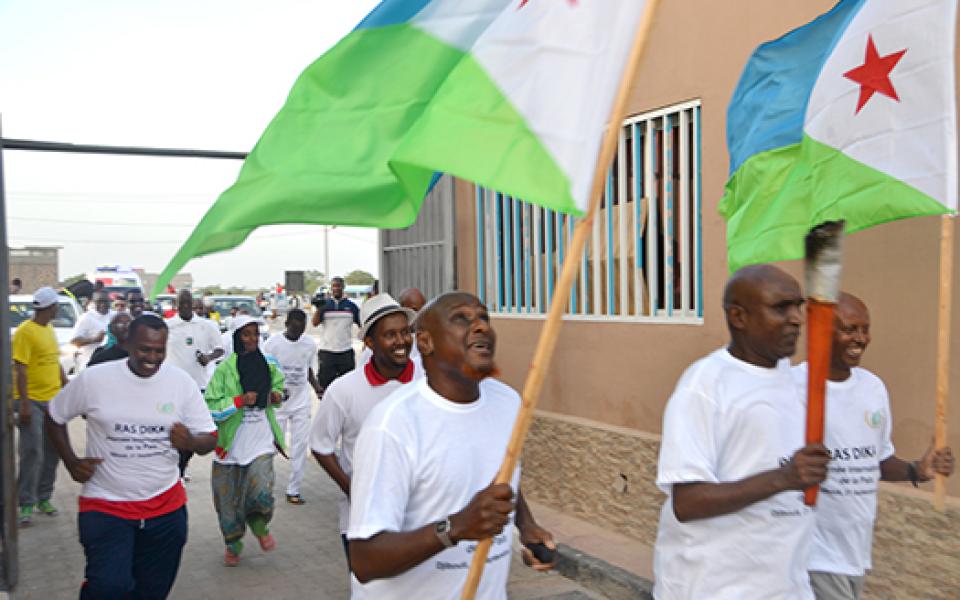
pixel 943 350
pixel 824 254
pixel 551 328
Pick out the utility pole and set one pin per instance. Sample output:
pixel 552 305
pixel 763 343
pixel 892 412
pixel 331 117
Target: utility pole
pixel 326 253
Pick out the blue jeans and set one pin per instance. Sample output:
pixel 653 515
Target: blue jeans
pixel 130 559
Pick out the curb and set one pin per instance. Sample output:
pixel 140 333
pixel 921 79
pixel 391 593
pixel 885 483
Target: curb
pixel 601 577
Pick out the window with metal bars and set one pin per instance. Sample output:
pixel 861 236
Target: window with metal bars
pixel 643 260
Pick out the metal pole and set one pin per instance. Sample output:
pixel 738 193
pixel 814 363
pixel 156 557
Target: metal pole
pixel 8 482
pixel 326 253
pixel 43 146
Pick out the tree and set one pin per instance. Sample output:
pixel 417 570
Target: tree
pixel 358 277
pixel 312 280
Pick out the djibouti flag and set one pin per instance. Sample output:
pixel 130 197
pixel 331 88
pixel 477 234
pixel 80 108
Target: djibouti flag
pixel 509 94
pixel 852 116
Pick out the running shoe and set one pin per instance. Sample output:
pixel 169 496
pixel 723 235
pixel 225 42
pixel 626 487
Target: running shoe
pixel 26 515
pixel 46 508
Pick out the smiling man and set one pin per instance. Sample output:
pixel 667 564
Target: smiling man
pixel 733 460
pixel 421 492
pixel 349 399
pixel 132 515
pixel 858 435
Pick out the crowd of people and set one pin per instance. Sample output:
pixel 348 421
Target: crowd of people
pixel 414 432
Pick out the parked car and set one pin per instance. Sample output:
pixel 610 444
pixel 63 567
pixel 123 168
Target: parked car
pixel 166 305
pixel 223 304
pixel 68 313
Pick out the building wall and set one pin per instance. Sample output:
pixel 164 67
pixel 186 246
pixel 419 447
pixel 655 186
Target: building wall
pixel 36 266
pixel 621 374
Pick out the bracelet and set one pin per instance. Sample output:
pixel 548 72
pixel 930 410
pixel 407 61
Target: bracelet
pixel 912 473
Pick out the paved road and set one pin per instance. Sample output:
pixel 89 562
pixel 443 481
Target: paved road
pixel 308 562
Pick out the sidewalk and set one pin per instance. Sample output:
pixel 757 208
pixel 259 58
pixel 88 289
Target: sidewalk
pixel 308 562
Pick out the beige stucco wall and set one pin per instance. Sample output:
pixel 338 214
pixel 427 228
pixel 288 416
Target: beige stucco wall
pixel 622 374
pixel 604 474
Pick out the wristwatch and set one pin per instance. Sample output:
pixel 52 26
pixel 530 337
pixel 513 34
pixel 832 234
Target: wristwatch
pixel 442 529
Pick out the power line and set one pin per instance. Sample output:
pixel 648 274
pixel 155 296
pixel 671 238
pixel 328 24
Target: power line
pixel 79 222
pixel 53 241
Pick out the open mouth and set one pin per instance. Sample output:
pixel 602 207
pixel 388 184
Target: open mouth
pixel 399 353
pixel 855 352
pixel 481 346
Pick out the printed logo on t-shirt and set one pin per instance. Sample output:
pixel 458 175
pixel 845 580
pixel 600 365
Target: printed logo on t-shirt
pixel 165 408
pixel 189 341
pixel 874 419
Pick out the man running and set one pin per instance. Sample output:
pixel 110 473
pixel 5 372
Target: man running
pixel 38 377
pixel 192 344
pixel 295 353
pixel 733 461
pixel 136 303
pixel 338 314
pixel 414 509
pixel 349 399
pixel 858 435
pixel 132 514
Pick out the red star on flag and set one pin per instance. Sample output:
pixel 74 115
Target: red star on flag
pixel 874 74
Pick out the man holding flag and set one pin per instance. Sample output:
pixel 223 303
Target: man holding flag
pixel 415 510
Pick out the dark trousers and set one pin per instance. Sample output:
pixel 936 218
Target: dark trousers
pixel 333 365
pixel 185 456
pixel 131 559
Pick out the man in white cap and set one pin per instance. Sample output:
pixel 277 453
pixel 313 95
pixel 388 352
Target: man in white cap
pixel 386 332
pixel 38 378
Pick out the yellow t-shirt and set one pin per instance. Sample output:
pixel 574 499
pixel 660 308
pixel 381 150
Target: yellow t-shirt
pixel 36 347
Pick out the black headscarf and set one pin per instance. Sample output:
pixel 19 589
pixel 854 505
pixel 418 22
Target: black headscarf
pixel 253 369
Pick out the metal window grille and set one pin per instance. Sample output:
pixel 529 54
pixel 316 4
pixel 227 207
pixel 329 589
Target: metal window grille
pixel 643 261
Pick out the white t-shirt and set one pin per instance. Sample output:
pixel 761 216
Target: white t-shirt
pixel 296 359
pixel 420 458
pixel 185 339
pixel 345 406
pixel 857 433
pixel 253 439
pixel 90 324
pixel 128 425
pixel 728 420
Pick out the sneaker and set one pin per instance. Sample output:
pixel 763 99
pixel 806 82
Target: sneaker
pixel 26 515
pixel 46 508
pixel 267 543
pixel 231 554
pixel 295 499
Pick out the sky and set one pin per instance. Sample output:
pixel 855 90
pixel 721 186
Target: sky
pixel 176 74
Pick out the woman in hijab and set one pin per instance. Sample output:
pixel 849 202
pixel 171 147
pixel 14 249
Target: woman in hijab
pixel 242 395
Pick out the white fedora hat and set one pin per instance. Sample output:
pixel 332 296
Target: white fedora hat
pixel 378 307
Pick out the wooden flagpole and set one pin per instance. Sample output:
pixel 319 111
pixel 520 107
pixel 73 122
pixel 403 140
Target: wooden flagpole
pixel 943 350
pixel 571 264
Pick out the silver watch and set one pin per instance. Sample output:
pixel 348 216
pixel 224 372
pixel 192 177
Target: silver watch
pixel 442 529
